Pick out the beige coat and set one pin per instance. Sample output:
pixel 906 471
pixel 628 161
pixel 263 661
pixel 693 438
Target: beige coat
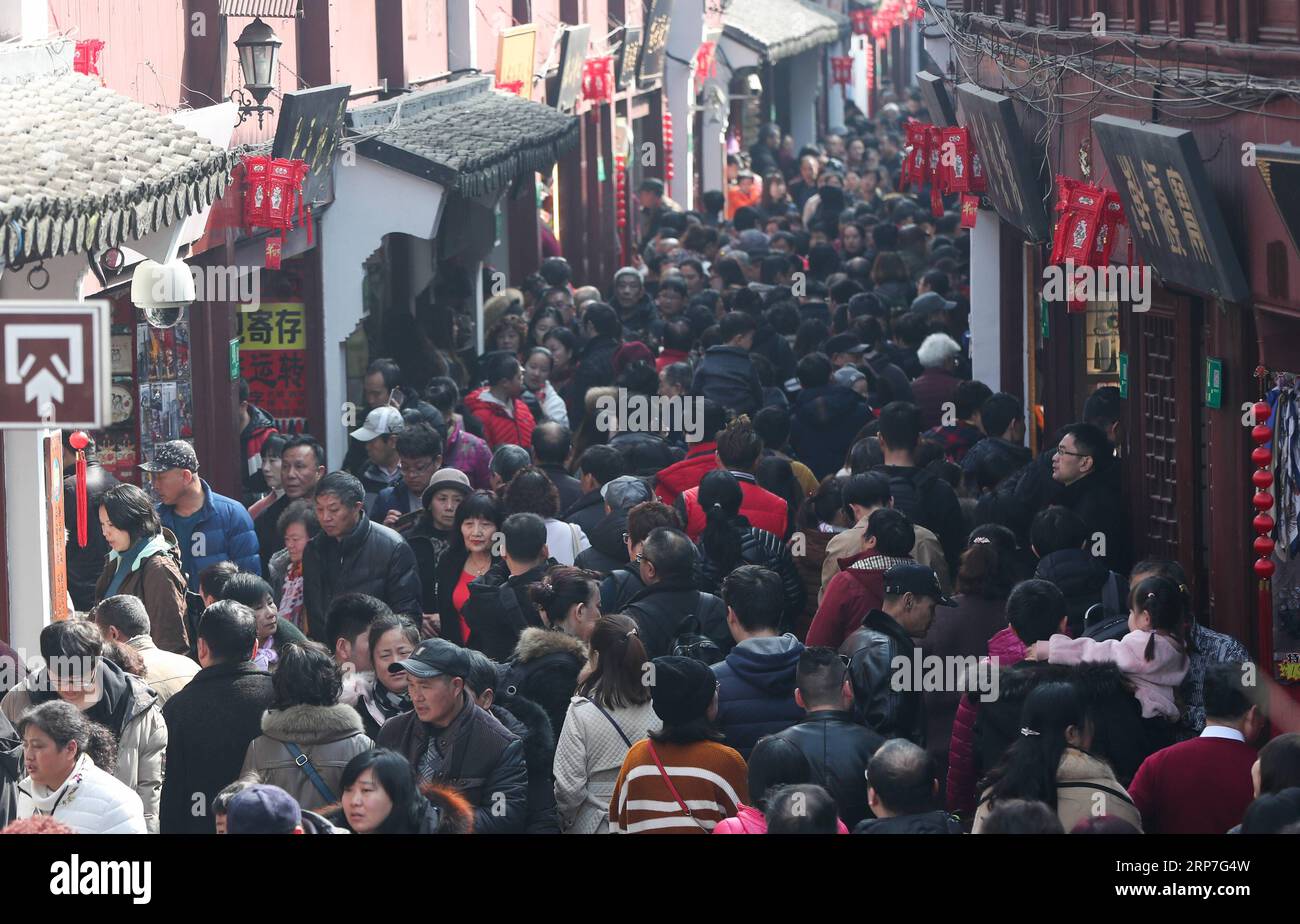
pixel 329 736
pixel 588 758
pixel 1085 787
pixel 140 751
pixel 166 672
pixel 927 551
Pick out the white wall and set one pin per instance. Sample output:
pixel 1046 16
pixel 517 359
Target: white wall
pixel 804 73
pixel 462 34
pixel 684 39
pixel 986 300
pixel 834 94
pixel 351 231
pixel 28 20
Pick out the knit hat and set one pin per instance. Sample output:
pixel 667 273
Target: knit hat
pixel 263 809
pixel 683 689
pixel 629 353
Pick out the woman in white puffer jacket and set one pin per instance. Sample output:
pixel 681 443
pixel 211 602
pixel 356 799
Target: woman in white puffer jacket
pixel 63 782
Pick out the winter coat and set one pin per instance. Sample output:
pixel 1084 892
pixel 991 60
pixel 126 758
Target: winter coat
pixel 84 565
pixel 1079 576
pixel 726 376
pixel 1154 681
pixel 588 756
pixel 376 481
pixel 266 526
pixel 166 673
pixel 749 820
pixel 960 438
pixel 848 544
pixel 89 801
pixel 482 758
pixel 570 488
pixel 1007 649
pixel 777 350
pixel 372 559
pixel 937 822
pixel 499 427
pixel 1120 737
pixel 701 459
pixel 209 726
pixel 607 550
pixel 838 748
pixel 1019 496
pixel 993 454
pixel 930 391
pixel 823 424
pixel 587 512
pixel 1083 783
pixel 446 574
pixel 544 670
pixel 252 438
pixel 762 508
pixel 1205 647
pixel 470 454
pixel 136 723
pixel 595 367
pixel 329 736
pixel 499 610
pixel 759 547
pixel 227 532
pixel 428 543
pixel 155 578
pixel 666 610
pixel 566 541
pixel 1098 500
pixel 809 566
pixel 710 777
pixel 618 589
pixel 962 632
pixel 529 722
pixel 645 454
pixel 856 590
pixel 397 497
pixel 11 770
pixel 441 810
pixel 756 690
pixel 872 650
pixel 930 502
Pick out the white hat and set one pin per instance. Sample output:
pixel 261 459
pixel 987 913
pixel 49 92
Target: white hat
pixel 382 421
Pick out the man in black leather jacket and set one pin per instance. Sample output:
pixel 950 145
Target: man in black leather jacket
pixel 883 648
pixel 904 792
pixel 664 610
pixel 837 745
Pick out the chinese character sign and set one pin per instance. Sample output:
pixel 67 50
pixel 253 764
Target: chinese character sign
pixel 273 358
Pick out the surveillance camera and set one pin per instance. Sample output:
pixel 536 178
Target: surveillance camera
pixel 161 291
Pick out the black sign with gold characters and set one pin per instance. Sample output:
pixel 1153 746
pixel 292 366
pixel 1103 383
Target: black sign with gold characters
pixel 650 65
pixel 567 89
pixel 1170 206
pixel 310 126
pixel 937 99
pixel 628 52
pixel 1279 168
pixel 1014 187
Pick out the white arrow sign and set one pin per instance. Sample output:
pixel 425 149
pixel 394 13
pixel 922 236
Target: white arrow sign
pixel 44 387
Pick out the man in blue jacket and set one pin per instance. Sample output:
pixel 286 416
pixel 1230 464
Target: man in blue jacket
pixel 756 681
pixel 209 528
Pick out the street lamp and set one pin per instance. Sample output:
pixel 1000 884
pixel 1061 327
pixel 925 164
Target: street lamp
pixel 259 52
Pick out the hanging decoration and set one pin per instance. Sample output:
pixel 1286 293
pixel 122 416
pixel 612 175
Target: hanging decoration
pixel 842 72
pixel 1262 478
pixel 1085 232
pixel 620 199
pixel 79 441
pixel 706 63
pixel 598 79
pixel 668 150
pixel 916 162
pixel 85 58
pixel 970 210
pixel 861 20
pixel 870 49
pixel 272 198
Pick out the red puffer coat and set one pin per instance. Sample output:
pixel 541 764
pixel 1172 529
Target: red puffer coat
pixel 1008 649
pixel 762 508
pixel 499 427
pixel 687 473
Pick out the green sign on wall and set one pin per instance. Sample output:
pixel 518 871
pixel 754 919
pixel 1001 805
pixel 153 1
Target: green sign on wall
pixel 1213 382
pixel 234 360
pixel 1123 375
pixel 1044 319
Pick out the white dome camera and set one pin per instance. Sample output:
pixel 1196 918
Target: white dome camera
pixel 162 290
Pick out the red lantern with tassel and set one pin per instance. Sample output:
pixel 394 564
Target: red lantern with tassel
pixel 861 19
pixel 79 441
pixel 668 149
pixel 598 79
pixel 1263 523
pixel 273 197
pixel 842 72
pixel 706 64
pixel 620 199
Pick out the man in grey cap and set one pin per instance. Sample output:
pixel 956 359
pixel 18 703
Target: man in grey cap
pixel 379 435
pixel 208 526
pixel 608 550
pixel 449 739
pixel 882 653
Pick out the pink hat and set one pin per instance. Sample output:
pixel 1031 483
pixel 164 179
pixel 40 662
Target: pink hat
pixel 629 353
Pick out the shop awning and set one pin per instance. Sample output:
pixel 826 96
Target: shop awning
pixel 779 29
pixel 465 136
pixel 84 169
pixel 268 9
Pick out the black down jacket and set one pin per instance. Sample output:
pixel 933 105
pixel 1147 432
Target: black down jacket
pixel 372 559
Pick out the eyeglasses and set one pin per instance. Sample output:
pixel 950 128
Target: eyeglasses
pixel 1066 452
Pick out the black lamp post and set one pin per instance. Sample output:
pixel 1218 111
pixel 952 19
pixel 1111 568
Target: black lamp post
pixel 259 53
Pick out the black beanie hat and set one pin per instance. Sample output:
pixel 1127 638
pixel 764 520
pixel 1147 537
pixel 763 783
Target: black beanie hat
pixel 683 689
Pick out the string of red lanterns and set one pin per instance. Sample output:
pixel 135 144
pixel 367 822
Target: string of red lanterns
pixel 620 199
pixel 1262 478
pixel 668 149
pixel 272 198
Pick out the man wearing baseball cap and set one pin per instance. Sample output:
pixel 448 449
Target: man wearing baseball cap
pixel 266 809
pixel 209 527
pixel 449 739
pixel 886 695
pixel 379 435
pixel 419 455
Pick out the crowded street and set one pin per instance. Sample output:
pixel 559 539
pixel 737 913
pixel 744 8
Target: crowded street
pixel 651 417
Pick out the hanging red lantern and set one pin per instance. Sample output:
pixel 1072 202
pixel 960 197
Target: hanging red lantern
pixel 668 149
pixel 598 79
pixel 79 441
pixel 1263 523
pixel 273 197
pixel 706 64
pixel 85 58
pixel 861 19
pixel 871 66
pixel 842 71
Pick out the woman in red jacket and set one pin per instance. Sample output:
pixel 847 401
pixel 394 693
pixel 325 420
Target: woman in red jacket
pixel 505 418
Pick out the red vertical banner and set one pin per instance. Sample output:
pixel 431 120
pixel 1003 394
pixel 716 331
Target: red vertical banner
pixel 56 528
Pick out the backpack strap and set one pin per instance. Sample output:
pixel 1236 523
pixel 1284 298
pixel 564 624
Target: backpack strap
pixel 305 765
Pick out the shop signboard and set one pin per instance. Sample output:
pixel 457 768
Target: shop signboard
pixel 650 66
pixel 567 88
pixel 309 129
pixel 1014 186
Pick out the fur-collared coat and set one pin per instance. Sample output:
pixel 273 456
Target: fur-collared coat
pixel 443 810
pixel 329 736
pixel 544 669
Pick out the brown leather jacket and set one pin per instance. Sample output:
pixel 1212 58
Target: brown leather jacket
pixel 157 580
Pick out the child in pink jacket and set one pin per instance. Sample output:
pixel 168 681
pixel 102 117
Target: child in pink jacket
pixel 1152 655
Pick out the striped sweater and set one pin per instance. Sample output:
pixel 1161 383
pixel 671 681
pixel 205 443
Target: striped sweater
pixel 712 778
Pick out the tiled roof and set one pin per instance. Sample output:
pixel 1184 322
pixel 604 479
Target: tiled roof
pixel 283 9
pixel 465 135
pixel 779 29
pixel 82 168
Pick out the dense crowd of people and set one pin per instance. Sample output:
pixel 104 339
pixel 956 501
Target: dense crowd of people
pixel 508 611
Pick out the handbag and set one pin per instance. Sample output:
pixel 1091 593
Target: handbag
pixel 673 789
pixel 305 765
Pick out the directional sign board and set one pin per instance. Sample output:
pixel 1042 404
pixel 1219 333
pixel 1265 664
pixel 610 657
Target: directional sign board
pixel 56 365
